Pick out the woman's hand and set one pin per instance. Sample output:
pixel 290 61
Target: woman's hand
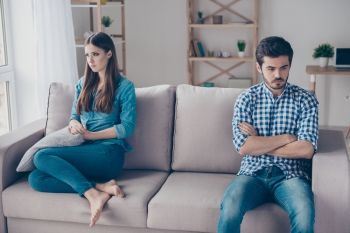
pixel 75 127
pixel 247 129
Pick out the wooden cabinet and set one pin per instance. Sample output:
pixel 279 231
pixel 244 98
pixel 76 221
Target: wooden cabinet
pixel 233 20
pixel 87 15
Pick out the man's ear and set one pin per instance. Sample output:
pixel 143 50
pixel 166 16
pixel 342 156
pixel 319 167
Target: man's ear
pixel 258 68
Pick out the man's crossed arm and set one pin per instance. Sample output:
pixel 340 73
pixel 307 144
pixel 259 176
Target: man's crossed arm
pixel 284 145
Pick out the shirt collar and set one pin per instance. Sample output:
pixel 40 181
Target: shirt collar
pixel 268 92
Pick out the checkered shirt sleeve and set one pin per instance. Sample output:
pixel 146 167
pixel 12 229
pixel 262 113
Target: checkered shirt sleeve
pixel 241 113
pixel 308 124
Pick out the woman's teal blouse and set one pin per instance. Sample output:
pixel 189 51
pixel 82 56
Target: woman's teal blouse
pixel 122 117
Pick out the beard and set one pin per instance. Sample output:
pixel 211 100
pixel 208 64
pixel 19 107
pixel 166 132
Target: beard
pixel 277 83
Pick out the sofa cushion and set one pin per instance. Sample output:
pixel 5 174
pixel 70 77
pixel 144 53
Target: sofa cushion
pixel 20 201
pixel 191 202
pixel 58 138
pixel 59 106
pixel 152 138
pixel 203 131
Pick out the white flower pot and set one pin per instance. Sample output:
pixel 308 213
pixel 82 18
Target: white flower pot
pixel 241 53
pixel 323 61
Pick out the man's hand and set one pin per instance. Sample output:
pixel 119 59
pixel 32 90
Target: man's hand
pixel 75 127
pixel 247 129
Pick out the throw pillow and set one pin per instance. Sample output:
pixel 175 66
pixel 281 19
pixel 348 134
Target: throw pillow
pixel 59 138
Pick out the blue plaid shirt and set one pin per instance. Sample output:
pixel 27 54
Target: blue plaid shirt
pixel 295 112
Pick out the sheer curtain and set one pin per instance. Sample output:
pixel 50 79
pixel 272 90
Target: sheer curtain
pixel 55 54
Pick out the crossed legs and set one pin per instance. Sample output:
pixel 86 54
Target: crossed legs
pixel 72 169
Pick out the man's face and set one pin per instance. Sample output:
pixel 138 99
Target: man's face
pixel 275 72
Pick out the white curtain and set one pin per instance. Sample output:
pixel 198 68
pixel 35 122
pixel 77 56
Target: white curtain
pixel 55 54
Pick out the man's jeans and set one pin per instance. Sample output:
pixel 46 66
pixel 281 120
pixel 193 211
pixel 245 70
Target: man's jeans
pixel 246 193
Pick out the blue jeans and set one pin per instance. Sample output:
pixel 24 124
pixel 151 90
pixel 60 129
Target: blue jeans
pixel 75 169
pixel 246 193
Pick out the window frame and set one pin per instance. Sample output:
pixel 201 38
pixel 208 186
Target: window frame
pixel 7 71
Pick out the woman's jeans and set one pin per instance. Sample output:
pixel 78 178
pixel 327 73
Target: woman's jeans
pixel 246 193
pixel 75 169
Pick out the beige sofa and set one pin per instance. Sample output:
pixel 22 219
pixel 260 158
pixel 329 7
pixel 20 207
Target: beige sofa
pixel 174 179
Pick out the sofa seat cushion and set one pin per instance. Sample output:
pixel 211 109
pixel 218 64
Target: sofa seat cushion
pixel 191 202
pixel 21 201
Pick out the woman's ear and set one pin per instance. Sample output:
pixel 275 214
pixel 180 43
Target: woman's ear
pixel 109 54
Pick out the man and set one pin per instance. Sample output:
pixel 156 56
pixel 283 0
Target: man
pixel 275 128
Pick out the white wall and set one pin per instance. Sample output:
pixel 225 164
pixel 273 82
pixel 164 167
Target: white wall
pixel 157 47
pixel 306 24
pixel 157 42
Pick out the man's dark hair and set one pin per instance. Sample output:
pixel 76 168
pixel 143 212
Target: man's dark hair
pixel 273 46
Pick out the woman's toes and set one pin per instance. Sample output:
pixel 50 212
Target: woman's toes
pixel 119 192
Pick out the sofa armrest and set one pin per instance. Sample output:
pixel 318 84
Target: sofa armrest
pixel 330 183
pixel 13 146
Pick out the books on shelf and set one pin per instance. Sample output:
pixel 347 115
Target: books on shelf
pixel 198 49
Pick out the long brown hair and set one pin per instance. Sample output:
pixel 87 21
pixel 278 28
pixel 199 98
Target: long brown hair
pixel 104 99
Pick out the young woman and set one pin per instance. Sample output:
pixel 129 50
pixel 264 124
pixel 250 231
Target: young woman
pixel 104 113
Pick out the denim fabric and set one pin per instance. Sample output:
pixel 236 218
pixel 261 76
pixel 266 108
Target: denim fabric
pixel 270 185
pixel 122 117
pixel 75 169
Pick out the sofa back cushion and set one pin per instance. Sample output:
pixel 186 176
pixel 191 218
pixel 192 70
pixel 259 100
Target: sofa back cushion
pixel 203 130
pixel 152 139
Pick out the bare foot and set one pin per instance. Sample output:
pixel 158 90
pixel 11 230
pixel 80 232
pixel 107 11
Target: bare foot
pixel 111 187
pixel 97 201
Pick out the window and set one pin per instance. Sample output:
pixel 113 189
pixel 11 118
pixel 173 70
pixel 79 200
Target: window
pixel 3 57
pixel 4 108
pixel 6 74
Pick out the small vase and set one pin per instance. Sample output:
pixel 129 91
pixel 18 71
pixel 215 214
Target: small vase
pixel 241 53
pixel 323 61
pixel 106 30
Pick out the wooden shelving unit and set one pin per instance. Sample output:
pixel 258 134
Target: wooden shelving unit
pixel 95 14
pixel 247 23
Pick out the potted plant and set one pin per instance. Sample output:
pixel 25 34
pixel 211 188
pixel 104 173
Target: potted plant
pixel 323 52
pixel 106 21
pixel 241 45
pixel 200 18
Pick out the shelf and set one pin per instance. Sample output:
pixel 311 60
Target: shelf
pixel 224 26
pixel 84 1
pixel 79 43
pixel 234 20
pixel 113 4
pixel 96 10
pixel 94 4
pixel 329 70
pixel 226 59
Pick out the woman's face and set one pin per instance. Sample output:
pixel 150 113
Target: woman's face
pixel 97 58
